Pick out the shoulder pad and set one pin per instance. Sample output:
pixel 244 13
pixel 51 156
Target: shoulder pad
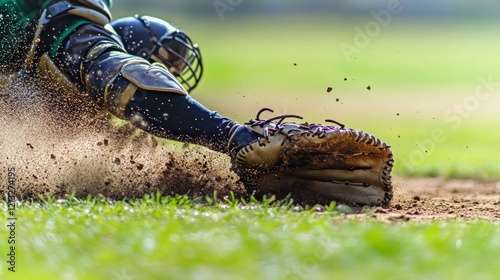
pixel 98 5
pixel 94 10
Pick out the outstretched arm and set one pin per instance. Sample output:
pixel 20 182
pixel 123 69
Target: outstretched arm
pixel 73 42
pixel 83 47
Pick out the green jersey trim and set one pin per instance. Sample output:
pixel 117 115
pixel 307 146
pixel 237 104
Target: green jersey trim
pixel 66 32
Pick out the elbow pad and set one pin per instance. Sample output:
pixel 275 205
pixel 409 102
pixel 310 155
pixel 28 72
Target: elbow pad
pixel 96 11
pixel 114 77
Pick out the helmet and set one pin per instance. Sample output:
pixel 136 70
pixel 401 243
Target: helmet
pixel 159 41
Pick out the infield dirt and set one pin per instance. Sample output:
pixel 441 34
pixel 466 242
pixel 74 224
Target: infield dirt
pixel 418 199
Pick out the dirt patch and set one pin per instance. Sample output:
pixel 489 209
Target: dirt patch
pixel 418 199
pixel 60 145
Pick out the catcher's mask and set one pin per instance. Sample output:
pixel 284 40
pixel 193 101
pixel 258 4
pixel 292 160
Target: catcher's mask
pixel 159 41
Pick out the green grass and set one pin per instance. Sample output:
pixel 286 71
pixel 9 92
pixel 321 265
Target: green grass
pixel 175 238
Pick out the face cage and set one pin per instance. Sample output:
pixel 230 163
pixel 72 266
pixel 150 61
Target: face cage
pixel 182 58
pixel 177 52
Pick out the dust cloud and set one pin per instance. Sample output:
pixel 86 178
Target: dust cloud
pixel 62 144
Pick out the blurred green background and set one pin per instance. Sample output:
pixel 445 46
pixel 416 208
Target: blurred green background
pixel 422 76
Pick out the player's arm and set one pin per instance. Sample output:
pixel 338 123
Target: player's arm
pixel 76 46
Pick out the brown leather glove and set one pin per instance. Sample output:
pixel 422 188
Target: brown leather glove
pixel 338 163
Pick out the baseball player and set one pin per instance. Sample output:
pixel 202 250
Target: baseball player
pixel 141 69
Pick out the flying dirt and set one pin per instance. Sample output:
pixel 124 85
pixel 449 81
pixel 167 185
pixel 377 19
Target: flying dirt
pixel 61 144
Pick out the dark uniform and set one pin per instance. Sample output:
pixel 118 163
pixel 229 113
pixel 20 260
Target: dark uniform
pixel 73 43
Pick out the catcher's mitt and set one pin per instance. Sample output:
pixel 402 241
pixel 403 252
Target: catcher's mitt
pixel 341 164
